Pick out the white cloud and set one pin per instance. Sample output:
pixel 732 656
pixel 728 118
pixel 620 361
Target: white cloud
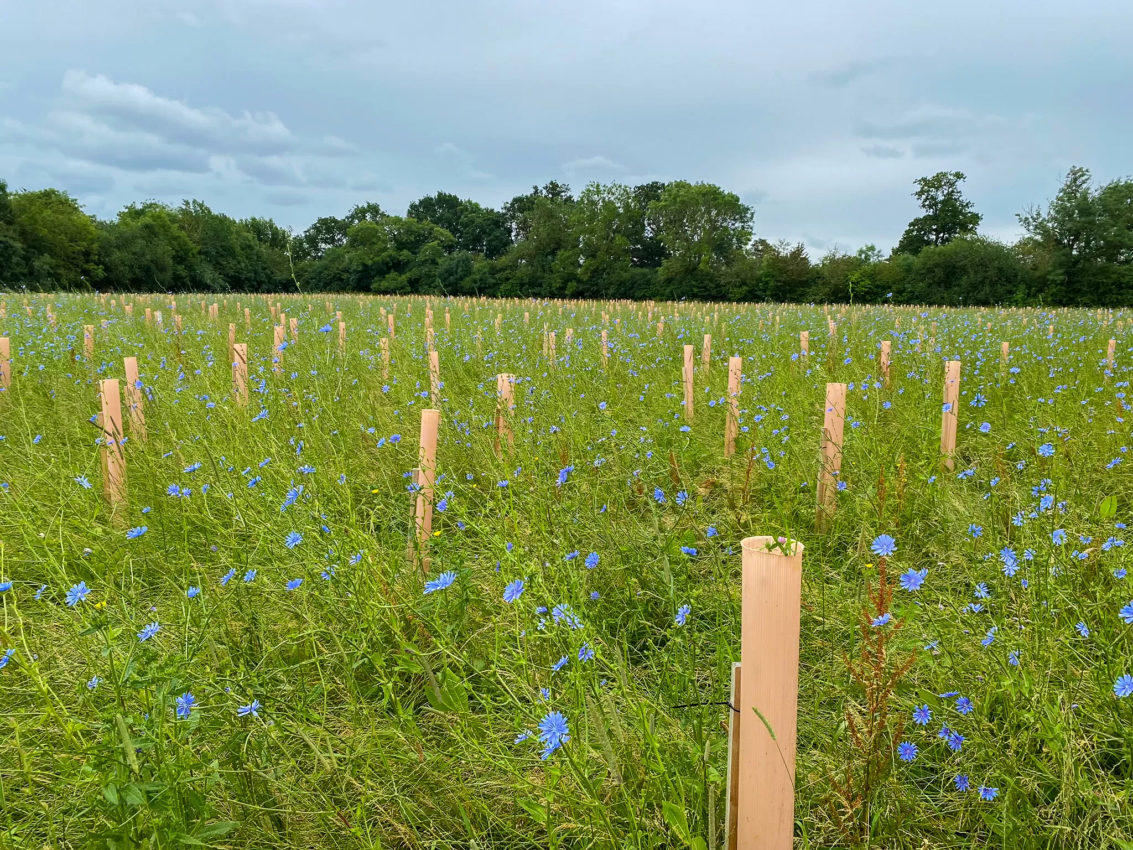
pixel 591 163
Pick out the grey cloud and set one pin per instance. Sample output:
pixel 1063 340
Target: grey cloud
pixel 927 150
pixel 883 152
pixel 591 163
pixel 271 171
pixel 286 199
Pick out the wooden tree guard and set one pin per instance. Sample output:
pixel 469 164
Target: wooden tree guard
pixel 277 349
pixel 231 340
pixel 731 807
pixel 503 410
pixel 605 350
pixel 384 344
pixel 950 415
pixel 833 426
pixel 768 694
pixel 661 328
pixel 1109 355
pixel 134 400
pixel 88 341
pixel 247 318
pixel 1003 351
pixel 240 372
pixel 342 338
pixel 804 343
pixel 5 362
pixel 706 353
pixel 149 315
pixel 732 423
pixel 427 464
pixel 551 348
pixel 294 329
pixel 113 459
pixel 390 322
pixel 885 348
pixel 568 337
pixel 688 369
pixel 434 377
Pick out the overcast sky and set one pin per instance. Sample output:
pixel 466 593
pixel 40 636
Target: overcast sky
pixel 818 113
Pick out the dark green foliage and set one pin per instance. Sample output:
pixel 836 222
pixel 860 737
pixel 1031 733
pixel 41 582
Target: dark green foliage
pixel 675 240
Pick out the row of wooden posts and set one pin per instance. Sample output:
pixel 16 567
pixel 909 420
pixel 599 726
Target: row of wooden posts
pixel 833 426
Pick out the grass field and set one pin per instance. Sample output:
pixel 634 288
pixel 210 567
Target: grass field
pixel 241 655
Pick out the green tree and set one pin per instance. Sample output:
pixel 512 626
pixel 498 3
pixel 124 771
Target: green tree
pixel 1080 249
pixel 396 255
pixel 11 251
pixel 59 242
pixel 145 250
pixel 947 214
pixel 703 229
pixel 967 272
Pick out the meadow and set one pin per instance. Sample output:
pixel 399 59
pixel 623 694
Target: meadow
pixel 243 651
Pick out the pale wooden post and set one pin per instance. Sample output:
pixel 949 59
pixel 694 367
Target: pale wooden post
pixel 390 320
pixel 1109 355
pixel 294 329
pixel 731 424
pixel 731 807
pixel 231 340
pixel 885 348
pixel 240 371
pixel 113 460
pixel 384 344
pixel 149 315
pixel 129 310
pixel 660 328
pixel 247 318
pixel 503 409
pixel 342 338
pixel 688 368
pixel 134 399
pixel 804 343
pixel 833 426
pixel 434 377
pixel 551 348
pixel 769 692
pixel 88 341
pixel 277 349
pixel 177 323
pixel 427 463
pixel 5 362
pixel 157 318
pixel 706 353
pixel 605 350
pixel 1003 351
pixel 569 336
pixel 950 416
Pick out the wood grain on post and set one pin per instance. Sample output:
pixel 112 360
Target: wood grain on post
pixel 134 399
pixel 605 350
pixel 342 338
pixel 833 427
pixel 294 329
pixel 885 348
pixel 88 341
pixel 240 372
pixel 384 344
pixel 1003 351
pixel 503 409
pixel 769 653
pixel 231 339
pixel 688 369
pixel 113 459
pixel 732 424
pixel 390 323
pixel 5 362
pixel 950 416
pixel 731 805
pixel 247 317
pixel 1109 355
pixel 427 463
pixel 277 349
pixel 804 343
pixel 551 347
pixel 434 377
pixel 706 353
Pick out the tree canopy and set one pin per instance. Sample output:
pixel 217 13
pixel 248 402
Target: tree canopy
pixel 654 240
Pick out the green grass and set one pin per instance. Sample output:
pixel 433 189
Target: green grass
pixel 388 717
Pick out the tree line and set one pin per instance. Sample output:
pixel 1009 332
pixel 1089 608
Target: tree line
pixel 664 241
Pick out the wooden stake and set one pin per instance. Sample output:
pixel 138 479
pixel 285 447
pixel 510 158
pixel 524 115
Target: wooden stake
pixel 88 341
pixel 342 338
pixel 503 409
pixel 688 368
pixel 731 424
pixel 731 807
pixel 231 340
pixel 384 344
pixel 1003 351
pixel 427 463
pixel 804 343
pixel 706 353
pixel 950 416
pixel 294 329
pixel 833 425
pixel 277 349
pixel 135 399
pixel 1109 355
pixel 434 377
pixel 113 460
pixel 885 348
pixel 605 351
pixel 5 362
pixel 390 320
pixel 240 372
pixel 768 699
